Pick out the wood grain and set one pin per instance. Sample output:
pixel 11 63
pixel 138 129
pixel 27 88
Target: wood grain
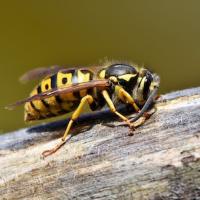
pixel 161 160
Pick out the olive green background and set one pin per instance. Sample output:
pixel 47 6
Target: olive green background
pixel 164 35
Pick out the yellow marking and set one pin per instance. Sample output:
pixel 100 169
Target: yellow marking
pixel 102 74
pixel 38 103
pixel 45 82
pixel 54 107
pixel 83 78
pixel 139 93
pixel 29 109
pixel 67 106
pixel 51 100
pixel 127 77
pixel 87 99
pixel 60 76
pixel 142 83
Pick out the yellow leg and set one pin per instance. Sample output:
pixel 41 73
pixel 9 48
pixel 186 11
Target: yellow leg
pixel 87 99
pixel 127 98
pixel 113 109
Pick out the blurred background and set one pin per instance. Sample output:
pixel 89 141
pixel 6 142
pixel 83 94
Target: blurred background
pixel 164 35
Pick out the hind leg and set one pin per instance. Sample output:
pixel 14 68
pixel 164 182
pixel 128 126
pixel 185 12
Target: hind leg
pixel 87 99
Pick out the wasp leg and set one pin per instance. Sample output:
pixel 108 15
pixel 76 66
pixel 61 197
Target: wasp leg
pixel 87 99
pixel 126 98
pixel 143 115
pixel 113 109
pixel 144 111
pixel 142 119
pixel 147 104
pixel 136 121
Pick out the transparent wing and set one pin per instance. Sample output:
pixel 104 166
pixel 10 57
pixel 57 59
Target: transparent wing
pixel 39 73
pixel 101 84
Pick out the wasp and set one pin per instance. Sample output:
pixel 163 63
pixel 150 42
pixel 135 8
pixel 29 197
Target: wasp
pixel 63 90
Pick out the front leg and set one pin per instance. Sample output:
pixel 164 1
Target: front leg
pixel 135 123
pixel 125 97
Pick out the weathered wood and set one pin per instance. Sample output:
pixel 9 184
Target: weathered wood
pixel 161 161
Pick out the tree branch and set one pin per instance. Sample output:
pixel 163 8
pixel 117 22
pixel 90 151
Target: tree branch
pixel 161 160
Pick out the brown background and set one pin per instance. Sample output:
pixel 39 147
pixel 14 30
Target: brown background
pixel 161 34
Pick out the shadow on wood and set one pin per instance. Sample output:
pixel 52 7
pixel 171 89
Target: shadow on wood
pixel 161 161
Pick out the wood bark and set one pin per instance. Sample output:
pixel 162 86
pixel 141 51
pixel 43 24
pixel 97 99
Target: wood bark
pixel 160 161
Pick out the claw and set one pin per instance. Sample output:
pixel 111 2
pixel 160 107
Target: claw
pixel 132 126
pixel 53 150
pixel 49 152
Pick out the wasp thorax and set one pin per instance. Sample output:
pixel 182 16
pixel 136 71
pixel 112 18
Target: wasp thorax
pixel 126 75
pixel 119 70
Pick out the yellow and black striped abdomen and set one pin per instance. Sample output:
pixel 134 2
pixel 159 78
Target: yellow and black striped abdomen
pixel 61 104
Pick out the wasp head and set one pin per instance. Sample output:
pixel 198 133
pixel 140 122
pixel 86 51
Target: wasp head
pixel 146 83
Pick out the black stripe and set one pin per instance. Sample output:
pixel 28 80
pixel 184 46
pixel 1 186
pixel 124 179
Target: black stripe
pixel 147 84
pixel 33 107
pixel 94 106
pixel 45 103
pixel 101 100
pixel 77 95
pixel 91 76
pixel 67 71
pixel 39 90
pixel 86 71
pixel 58 99
pixel 54 86
pixel 75 80
pixel 75 105
pixel 90 91
pixel 140 82
pixel 54 81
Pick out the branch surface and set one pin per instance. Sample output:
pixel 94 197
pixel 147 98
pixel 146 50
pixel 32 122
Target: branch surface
pixel 161 160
